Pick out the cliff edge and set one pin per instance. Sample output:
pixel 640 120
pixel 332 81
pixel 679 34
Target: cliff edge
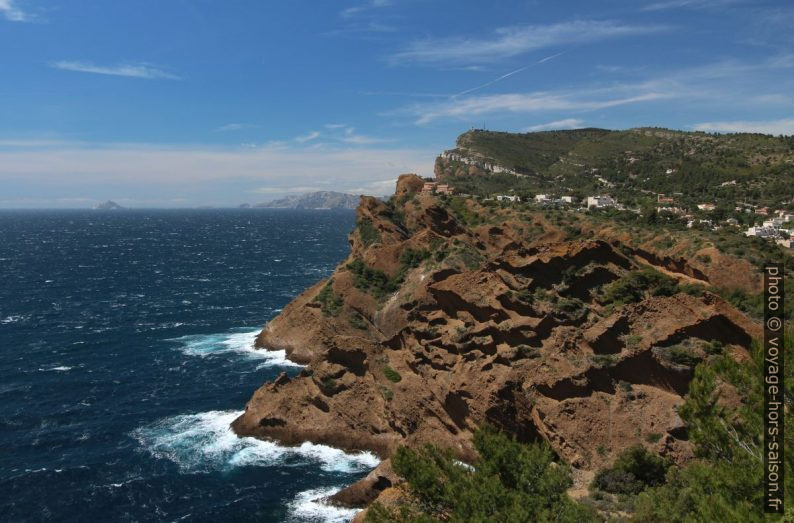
pixel 449 313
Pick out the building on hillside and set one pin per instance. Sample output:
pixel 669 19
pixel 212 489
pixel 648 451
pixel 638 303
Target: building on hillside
pixel 706 206
pixel 774 223
pixel 760 232
pixel 542 198
pixel 508 198
pixel 788 243
pixel 569 199
pixel 599 202
pixel 436 188
pixel 763 211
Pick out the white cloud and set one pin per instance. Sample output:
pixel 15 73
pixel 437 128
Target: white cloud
pixel 236 127
pixel 692 4
pixel 516 40
pixel 535 102
pixel 307 137
pixel 568 123
pixel 12 13
pixel 784 126
pixel 141 70
pixel 356 10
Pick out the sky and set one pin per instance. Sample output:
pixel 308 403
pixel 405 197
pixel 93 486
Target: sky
pixel 184 103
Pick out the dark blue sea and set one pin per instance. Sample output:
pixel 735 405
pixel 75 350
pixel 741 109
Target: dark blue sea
pixel 126 351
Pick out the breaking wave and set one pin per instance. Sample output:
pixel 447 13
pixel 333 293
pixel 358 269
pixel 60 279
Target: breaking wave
pixel 204 442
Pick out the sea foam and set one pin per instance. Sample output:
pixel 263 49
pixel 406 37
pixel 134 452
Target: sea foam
pixel 240 342
pixel 204 442
pixel 311 505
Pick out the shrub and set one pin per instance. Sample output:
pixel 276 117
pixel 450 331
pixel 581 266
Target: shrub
pixel 634 470
pixel 357 321
pixel 331 303
pixel 510 482
pixel 391 374
pixel 370 280
pixel 367 232
pixel 683 356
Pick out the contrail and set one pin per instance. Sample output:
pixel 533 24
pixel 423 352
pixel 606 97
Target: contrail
pixel 511 73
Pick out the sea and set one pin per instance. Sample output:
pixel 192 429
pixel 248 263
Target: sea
pixel 126 350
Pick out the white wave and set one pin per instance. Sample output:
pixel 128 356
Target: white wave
pixel 62 368
pixel 311 505
pixel 204 442
pixel 14 318
pixel 241 342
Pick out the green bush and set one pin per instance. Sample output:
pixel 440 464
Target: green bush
pixel 633 471
pixel 391 374
pixel 683 356
pixel 367 232
pixel 639 285
pixel 510 482
pixel 357 321
pixel 331 303
pixel 371 280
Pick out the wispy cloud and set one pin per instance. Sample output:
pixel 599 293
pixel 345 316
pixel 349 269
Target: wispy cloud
pixel 512 41
pixel 352 137
pixel 140 70
pixel 236 127
pixel 784 126
pixel 535 102
pixel 689 4
pixel 359 9
pixel 568 123
pixel 11 12
pixel 307 137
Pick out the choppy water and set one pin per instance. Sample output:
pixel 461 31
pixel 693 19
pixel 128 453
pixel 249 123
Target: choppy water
pixel 126 351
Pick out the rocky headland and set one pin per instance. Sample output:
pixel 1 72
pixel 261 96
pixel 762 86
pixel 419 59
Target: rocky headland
pixel 448 314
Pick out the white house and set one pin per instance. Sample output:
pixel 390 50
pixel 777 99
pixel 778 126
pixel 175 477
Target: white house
pixel 541 198
pixel 569 199
pixel 508 198
pixel 774 223
pixel 706 206
pixel 599 202
pixel 760 232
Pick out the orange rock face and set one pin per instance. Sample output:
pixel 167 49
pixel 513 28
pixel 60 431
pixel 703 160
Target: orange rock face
pixel 500 322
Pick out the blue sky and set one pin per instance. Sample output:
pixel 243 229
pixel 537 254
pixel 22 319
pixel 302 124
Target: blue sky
pixel 174 103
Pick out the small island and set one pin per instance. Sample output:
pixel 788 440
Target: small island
pixel 109 205
pixel 314 200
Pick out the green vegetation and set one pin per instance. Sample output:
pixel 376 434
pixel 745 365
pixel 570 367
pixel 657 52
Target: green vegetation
pixel 391 374
pixel 639 285
pixel 637 164
pixel 357 321
pixel 633 471
pixel 683 356
pixel 510 482
pixel 725 483
pixel 331 303
pixel 367 232
pixel 371 280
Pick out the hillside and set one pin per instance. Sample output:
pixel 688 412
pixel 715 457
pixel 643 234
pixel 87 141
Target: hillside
pixel 633 165
pixel 314 200
pixel 449 314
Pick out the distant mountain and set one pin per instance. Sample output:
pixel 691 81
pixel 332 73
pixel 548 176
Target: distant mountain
pixel 109 205
pixel 314 200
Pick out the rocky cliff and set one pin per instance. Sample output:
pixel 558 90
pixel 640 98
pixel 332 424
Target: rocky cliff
pixel 448 314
